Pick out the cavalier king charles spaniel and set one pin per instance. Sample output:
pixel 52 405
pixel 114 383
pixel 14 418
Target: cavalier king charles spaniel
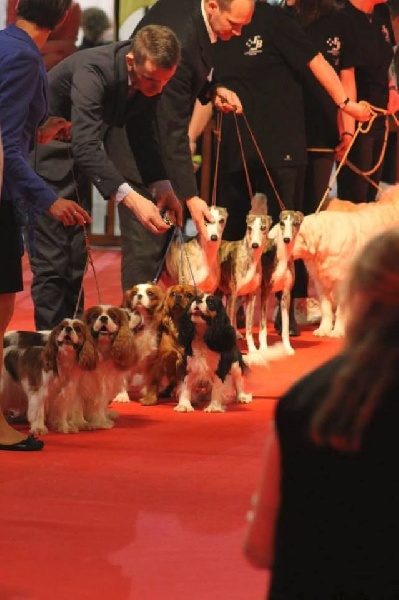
pixel 213 364
pixel 168 366
pixel 143 302
pixel 43 381
pixel 109 326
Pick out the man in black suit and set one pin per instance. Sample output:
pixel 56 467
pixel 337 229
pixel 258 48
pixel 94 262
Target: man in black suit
pixel 197 24
pixel 96 90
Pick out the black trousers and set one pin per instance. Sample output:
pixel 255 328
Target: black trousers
pixel 59 257
pixel 364 154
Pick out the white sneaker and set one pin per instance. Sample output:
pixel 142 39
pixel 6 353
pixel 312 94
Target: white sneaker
pixel 307 311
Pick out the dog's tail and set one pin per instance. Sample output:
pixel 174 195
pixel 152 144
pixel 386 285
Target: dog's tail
pixel 264 357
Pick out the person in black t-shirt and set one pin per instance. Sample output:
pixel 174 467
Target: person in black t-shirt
pixel 329 131
pixel 373 33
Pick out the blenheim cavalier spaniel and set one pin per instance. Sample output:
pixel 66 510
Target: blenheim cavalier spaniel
pixel 43 381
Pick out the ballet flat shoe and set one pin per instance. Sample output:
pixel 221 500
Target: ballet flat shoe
pixel 30 444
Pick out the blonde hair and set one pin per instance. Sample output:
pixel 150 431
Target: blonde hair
pixel 371 364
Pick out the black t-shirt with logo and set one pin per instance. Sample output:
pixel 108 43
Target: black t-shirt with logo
pixel 333 37
pixel 375 40
pixel 263 67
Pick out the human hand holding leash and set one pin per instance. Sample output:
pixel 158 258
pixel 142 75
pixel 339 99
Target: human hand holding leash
pixel 226 100
pixel 52 128
pixel 361 111
pixel 168 203
pixel 69 212
pixel 200 213
pixel 147 212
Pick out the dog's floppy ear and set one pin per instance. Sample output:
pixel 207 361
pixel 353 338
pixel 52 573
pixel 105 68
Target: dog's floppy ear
pixel 123 350
pixel 299 216
pixel 186 330
pixel 50 351
pixel 220 335
pixel 88 355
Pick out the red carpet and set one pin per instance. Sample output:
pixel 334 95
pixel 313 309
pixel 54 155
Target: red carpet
pixel 151 510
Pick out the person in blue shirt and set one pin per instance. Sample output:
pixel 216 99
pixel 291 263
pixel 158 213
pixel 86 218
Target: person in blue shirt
pixel 24 195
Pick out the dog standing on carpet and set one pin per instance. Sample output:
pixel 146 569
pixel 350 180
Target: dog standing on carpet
pixel 144 301
pixel 329 240
pixel 196 262
pixel 278 275
pixel 44 380
pixel 213 363
pixel 240 264
pixel 167 367
pixel 109 326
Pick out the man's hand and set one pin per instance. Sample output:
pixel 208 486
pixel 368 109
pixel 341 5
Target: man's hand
pixel 343 145
pixel 168 201
pixel 51 128
pixel 69 212
pixel 226 100
pixel 199 211
pixel 147 213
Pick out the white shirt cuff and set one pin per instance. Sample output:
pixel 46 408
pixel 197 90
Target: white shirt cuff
pixel 160 187
pixel 123 190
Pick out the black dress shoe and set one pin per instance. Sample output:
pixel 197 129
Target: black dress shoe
pixel 30 444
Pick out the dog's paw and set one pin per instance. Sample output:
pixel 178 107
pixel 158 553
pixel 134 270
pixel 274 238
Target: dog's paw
pixel 38 429
pixel 215 407
pixel 112 414
pixel 184 408
pixel 323 331
pixel 244 398
pixel 121 397
pixel 148 400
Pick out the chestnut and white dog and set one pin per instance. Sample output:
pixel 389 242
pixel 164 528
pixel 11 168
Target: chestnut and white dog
pixel 44 380
pixel 241 272
pixel 167 368
pixel 144 303
pixel 329 240
pixel 109 326
pixel 277 276
pixel 196 262
pixel 213 364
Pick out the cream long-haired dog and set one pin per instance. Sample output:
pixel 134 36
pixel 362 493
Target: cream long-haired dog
pixel 329 240
pixel 44 381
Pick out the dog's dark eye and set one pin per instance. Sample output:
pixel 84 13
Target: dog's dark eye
pixel 150 293
pixel 78 329
pixel 173 294
pixel 113 316
pixel 222 221
pixel 249 228
pixel 263 228
pixel 189 296
pixel 94 317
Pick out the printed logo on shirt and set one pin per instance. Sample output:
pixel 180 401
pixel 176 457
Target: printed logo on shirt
pixel 254 45
pixel 334 49
pixel 287 157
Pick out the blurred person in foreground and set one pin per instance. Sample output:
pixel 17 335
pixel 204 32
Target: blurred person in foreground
pixel 326 520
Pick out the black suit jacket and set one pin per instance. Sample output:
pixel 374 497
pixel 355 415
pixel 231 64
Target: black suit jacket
pixel 175 105
pixel 90 88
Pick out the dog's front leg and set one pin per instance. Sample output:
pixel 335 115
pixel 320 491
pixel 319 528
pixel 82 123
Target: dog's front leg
pixel 339 325
pixel 184 397
pixel 326 309
pixel 35 412
pixel 285 321
pixel 249 322
pixel 217 397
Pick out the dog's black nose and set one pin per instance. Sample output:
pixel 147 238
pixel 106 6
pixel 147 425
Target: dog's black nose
pixel 214 238
pixel 68 329
pixel 286 240
pixel 255 245
pixel 104 319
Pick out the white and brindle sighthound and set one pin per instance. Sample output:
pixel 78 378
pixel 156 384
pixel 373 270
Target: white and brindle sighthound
pixel 196 262
pixel 240 264
pixel 278 275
